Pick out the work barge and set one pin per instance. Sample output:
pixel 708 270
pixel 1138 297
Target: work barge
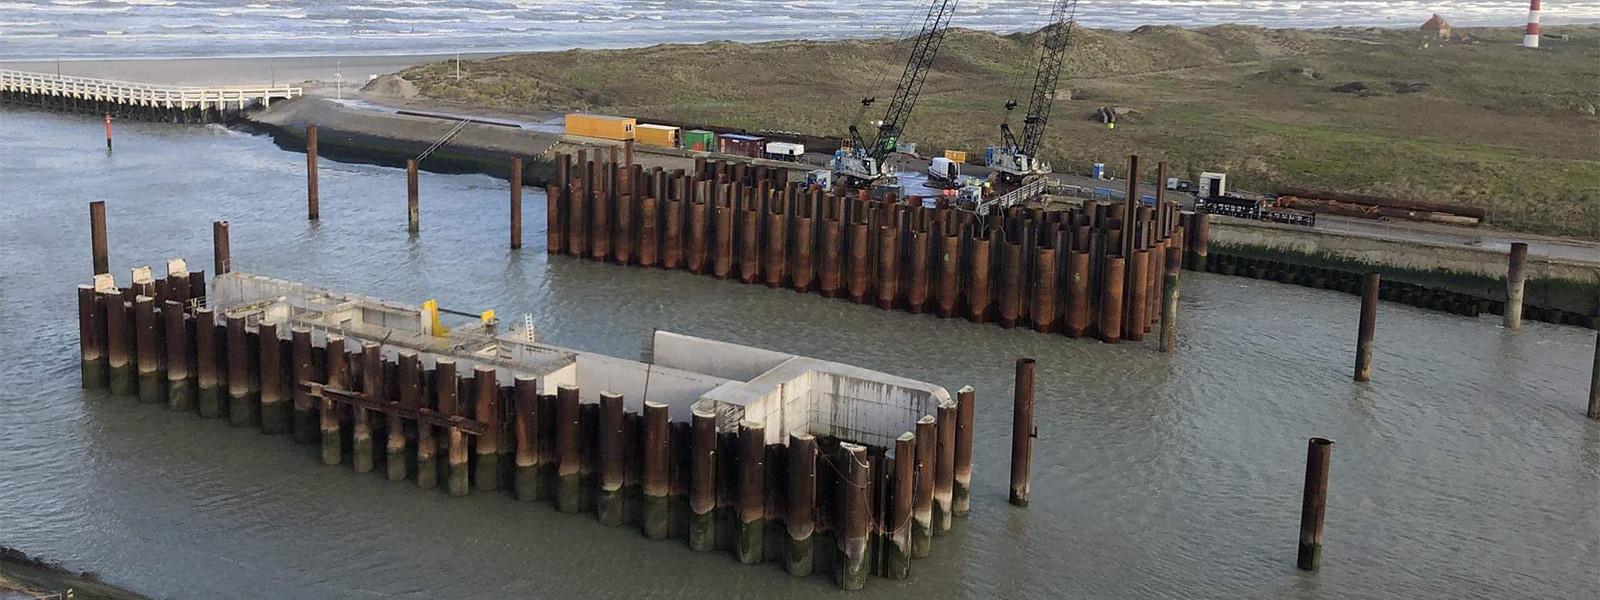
pixel 1097 270
pixel 773 457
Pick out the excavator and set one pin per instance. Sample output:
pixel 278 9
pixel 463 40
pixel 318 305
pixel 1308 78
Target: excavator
pixel 860 164
pixel 1015 161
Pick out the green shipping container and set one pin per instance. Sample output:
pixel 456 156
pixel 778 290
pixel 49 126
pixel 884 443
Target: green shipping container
pixel 699 139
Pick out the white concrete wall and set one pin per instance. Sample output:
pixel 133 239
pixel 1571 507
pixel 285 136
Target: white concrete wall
pixel 719 359
pixel 675 388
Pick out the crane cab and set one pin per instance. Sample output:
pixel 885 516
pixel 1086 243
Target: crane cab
pixel 1014 166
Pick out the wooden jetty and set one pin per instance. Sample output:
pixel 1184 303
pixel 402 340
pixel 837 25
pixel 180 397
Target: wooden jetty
pixel 769 456
pixel 142 101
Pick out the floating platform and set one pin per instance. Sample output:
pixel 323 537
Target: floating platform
pixel 826 467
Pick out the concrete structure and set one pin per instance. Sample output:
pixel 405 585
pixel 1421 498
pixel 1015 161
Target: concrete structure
pixel 137 100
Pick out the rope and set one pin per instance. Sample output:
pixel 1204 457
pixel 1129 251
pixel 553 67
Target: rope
pixel 453 131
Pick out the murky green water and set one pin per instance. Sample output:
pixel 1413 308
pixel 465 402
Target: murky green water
pixel 1465 470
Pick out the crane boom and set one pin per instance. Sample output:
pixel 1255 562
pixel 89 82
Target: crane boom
pixel 923 50
pixel 1016 159
pixel 863 161
pixel 1052 56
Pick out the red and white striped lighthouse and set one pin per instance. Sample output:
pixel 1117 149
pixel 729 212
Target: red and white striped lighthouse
pixel 1530 38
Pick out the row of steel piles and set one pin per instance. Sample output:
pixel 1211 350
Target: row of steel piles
pixel 1090 271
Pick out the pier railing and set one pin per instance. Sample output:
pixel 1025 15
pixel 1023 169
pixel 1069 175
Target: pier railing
pixel 143 94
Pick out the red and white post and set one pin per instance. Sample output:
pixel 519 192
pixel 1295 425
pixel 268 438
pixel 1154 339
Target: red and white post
pixel 1530 38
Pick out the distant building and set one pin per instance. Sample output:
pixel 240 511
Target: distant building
pixel 1436 25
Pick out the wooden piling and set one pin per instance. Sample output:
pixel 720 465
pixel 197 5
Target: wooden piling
pixel 1022 432
pixel 1111 284
pixel 695 256
pixel 361 458
pixel 275 415
pixel 313 203
pixel 978 296
pixel 208 364
pixel 944 471
pixel 803 272
pixel 1314 503
pixel 828 279
pixel 516 203
pixel 486 448
pixel 917 288
pixel 221 259
pixel 447 385
pixel 897 559
pixel 702 481
pixel 800 519
pixel 99 251
pixel 966 408
pixel 1042 309
pixel 338 367
pixel 148 350
pixel 1594 382
pixel 526 484
pixel 776 255
pixel 949 295
pixel 752 492
pixel 555 230
pixel 927 461
pixel 1368 326
pixel 413 214
pixel 1516 280
pixel 722 235
pixel 749 245
pixel 1011 284
pixel 408 386
pixel 302 369
pixel 888 276
pixel 180 375
pixel 569 478
pixel 1169 300
pixel 850 565
pixel 1199 240
pixel 656 512
pixel 610 506
pixel 856 280
pixel 649 234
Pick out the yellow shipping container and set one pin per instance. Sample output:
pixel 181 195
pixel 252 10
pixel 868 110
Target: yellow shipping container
pixel 656 135
pixel 600 126
pixel 958 156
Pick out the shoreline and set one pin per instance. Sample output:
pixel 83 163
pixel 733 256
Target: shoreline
pixel 38 577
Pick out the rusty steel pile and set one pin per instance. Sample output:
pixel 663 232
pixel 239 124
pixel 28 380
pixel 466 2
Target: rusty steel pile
pixel 1095 270
pixel 817 504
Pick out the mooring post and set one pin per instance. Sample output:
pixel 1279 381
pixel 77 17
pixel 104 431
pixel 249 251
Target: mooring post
pixel 91 361
pixel 97 237
pixel 525 388
pixel 1594 382
pixel 486 449
pixel 897 559
pixel 361 421
pixel 966 406
pixel 752 492
pixel 1169 300
pixel 1022 432
pixel 569 478
pixel 1314 503
pixel 944 470
pixel 655 486
pixel 313 204
pixel 516 203
pixel 412 215
pixel 220 258
pixel 1368 326
pixel 338 377
pixel 799 519
pixel 180 378
pixel 702 481
pixel 1516 280
pixel 303 370
pixel 447 383
pixel 610 507
pixel 926 463
pixel 275 415
pixel 850 564
pixel 207 364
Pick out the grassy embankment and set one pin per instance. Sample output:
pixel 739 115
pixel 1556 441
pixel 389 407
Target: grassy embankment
pixel 1507 129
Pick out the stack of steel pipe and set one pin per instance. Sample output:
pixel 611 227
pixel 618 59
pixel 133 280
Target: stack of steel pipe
pixel 1089 270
